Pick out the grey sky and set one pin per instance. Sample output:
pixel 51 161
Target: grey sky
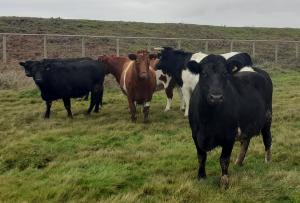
pixel 259 13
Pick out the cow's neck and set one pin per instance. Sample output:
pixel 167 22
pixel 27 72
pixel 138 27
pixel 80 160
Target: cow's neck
pixel 116 67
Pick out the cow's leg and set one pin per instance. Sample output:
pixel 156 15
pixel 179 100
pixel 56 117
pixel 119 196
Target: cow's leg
pixel 182 103
pixel 201 160
pixel 224 162
pixel 146 111
pixel 94 95
pixel 132 109
pixel 86 97
pixel 48 107
pixel 98 99
pixel 169 93
pixel 67 104
pixel 186 96
pixel 267 137
pixel 244 147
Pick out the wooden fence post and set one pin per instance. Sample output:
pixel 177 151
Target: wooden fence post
pixel 118 47
pixel 83 47
pixel 148 46
pixel 297 50
pixel 231 46
pixel 45 46
pixel 253 49
pixel 206 47
pixel 276 53
pixel 4 49
pixel 179 44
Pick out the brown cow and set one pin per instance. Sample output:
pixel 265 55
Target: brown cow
pixel 135 78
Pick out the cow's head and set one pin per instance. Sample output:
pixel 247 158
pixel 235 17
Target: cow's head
pixel 34 69
pixel 215 72
pixel 173 62
pixel 142 63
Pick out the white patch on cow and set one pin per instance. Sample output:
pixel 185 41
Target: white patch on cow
pixel 230 54
pixel 239 132
pixel 247 69
pixel 125 73
pixel 168 106
pixel 158 74
pixel 190 81
pixel 146 104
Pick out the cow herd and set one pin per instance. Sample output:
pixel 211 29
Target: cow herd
pixel 224 96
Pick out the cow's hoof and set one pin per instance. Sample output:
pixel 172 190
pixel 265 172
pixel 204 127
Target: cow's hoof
pixel 224 182
pixel 268 156
pixel 96 111
pixel 201 178
pixel 166 110
pixel 46 117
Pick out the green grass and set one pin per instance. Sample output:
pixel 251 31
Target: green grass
pixel 105 157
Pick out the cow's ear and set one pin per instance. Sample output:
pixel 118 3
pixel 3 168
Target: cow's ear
pixel 237 62
pixel 22 64
pixel 194 67
pixel 152 56
pixel 132 57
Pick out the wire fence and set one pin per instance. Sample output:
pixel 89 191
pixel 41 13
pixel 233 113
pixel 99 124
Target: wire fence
pixel 19 47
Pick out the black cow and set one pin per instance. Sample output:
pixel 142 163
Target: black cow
pixel 174 62
pixel 67 78
pixel 226 106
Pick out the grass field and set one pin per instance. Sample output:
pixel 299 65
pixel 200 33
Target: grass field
pixel 119 28
pixel 105 157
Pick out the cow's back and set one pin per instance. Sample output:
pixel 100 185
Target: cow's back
pixel 71 78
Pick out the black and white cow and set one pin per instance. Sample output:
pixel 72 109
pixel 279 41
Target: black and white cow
pixel 67 78
pixel 166 82
pixel 174 63
pixel 227 106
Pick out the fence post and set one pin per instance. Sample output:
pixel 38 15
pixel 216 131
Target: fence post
pixel 276 53
pixel 206 47
pixel 4 49
pixel 297 50
pixel 179 44
pixel 148 46
pixel 118 47
pixel 45 46
pixel 231 46
pixel 83 47
pixel 253 49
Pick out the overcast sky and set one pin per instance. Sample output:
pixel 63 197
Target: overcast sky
pixel 259 13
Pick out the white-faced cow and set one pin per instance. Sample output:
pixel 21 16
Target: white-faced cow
pixel 227 106
pixel 67 78
pixel 174 63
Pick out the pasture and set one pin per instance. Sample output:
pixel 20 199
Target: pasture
pixel 105 157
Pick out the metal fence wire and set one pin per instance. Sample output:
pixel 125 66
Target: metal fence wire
pixel 17 47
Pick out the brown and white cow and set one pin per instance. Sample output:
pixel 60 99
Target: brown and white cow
pixel 136 79
pixel 166 82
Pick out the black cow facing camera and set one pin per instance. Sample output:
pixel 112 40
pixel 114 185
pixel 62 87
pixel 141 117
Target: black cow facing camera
pixel 67 78
pixel 227 106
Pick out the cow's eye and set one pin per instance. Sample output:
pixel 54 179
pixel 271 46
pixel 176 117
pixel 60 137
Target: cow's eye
pixel 224 74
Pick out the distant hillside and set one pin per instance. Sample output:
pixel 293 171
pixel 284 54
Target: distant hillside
pixel 93 27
